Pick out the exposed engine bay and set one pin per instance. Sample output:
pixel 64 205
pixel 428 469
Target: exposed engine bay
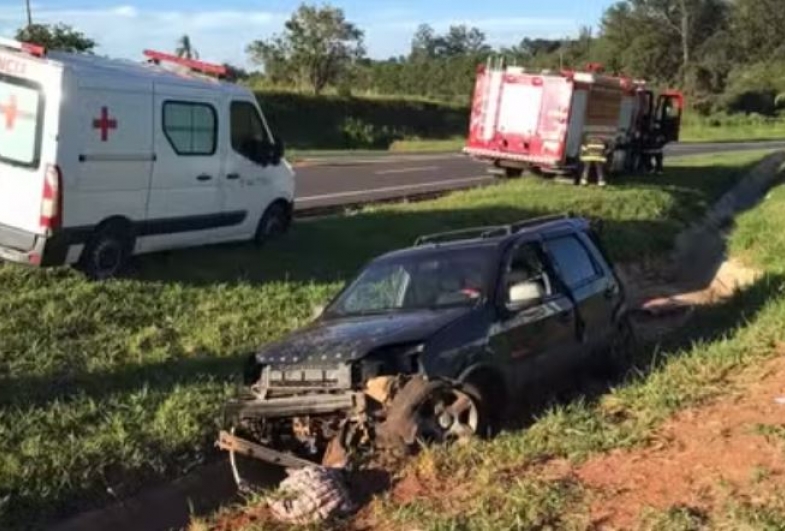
pixel 295 417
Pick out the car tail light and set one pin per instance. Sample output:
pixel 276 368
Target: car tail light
pixel 52 201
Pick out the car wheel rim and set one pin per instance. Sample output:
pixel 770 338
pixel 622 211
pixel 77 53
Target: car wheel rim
pixel 450 415
pixel 274 225
pixel 108 256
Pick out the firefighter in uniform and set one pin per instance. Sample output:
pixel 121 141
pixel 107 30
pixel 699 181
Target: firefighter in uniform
pixel 594 156
pixel 653 152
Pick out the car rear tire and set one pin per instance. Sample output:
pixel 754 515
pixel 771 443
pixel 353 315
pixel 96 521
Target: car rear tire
pixel 273 224
pixel 106 253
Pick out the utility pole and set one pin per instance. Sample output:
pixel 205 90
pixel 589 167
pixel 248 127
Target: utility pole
pixel 29 14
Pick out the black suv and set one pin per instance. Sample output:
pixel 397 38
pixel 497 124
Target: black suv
pixel 433 342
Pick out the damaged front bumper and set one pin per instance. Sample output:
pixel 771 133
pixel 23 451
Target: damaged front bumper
pixel 293 406
pixel 302 417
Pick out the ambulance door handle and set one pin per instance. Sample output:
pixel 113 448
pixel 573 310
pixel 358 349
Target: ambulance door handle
pixel 204 177
pixel 233 176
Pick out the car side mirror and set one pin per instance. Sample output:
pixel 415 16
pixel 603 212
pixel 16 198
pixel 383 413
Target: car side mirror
pixel 525 295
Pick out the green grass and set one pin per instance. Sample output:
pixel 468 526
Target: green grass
pixel 106 387
pixel 760 238
pixel 734 133
pixel 732 128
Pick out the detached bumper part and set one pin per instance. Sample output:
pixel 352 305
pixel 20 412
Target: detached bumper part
pixel 234 444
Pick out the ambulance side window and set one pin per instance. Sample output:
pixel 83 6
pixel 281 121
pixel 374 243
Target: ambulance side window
pixel 191 128
pixel 249 134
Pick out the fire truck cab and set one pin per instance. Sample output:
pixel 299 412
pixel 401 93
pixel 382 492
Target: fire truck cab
pixel 101 159
pixel 537 121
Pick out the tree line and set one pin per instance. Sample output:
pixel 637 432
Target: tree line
pixel 728 55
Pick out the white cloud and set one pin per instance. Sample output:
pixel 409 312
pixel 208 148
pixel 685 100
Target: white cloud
pixel 222 34
pixel 125 30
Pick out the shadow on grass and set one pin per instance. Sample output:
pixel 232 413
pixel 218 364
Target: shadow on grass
pixel 333 249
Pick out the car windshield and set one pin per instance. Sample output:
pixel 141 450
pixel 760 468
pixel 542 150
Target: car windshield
pixel 420 281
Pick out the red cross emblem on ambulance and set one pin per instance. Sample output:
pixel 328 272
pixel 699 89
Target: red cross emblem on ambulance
pixel 10 112
pixel 105 123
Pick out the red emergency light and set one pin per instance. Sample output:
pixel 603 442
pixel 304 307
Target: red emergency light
pixel 192 64
pixel 26 47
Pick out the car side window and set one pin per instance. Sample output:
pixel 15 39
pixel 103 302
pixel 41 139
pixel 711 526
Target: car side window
pixel 573 260
pixel 527 265
pixel 191 128
pixel 248 130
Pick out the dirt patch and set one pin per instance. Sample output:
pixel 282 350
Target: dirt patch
pixel 700 458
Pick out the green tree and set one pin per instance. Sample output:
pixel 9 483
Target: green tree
pixel 757 29
pixel 185 48
pixel 658 38
pixel 318 46
pixel 56 37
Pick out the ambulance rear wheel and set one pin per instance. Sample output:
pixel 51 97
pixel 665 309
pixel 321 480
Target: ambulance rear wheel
pixel 106 253
pixel 274 223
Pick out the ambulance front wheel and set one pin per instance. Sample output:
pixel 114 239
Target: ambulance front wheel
pixel 274 223
pixel 107 252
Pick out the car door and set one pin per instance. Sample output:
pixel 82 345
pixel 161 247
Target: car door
pixel 593 291
pixel 538 338
pixel 185 204
pixel 249 172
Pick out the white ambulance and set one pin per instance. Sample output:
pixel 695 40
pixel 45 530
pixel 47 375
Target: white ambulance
pixel 101 159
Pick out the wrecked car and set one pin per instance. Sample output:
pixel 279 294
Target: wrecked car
pixel 437 342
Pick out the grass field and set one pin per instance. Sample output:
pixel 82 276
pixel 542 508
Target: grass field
pixel 732 129
pixel 106 387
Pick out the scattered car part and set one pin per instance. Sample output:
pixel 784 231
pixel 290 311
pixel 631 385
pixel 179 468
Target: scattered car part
pixel 311 494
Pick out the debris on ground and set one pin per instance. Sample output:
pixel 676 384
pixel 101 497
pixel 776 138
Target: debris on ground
pixel 310 495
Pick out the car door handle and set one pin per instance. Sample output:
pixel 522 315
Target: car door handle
pixel 204 177
pixel 233 176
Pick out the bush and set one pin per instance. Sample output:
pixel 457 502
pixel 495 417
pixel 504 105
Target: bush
pixel 305 121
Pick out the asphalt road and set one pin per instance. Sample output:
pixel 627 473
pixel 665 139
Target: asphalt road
pixel 335 182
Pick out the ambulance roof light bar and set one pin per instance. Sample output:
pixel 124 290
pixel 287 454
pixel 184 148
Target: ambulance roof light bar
pixel 191 64
pixel 26 47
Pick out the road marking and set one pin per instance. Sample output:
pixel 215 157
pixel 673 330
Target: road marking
pixel 407 170
pixel 355 193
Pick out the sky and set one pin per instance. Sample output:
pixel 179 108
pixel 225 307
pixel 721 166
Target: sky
pixel 221 30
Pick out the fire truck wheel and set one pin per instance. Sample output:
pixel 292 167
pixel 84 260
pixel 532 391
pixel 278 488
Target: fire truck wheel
pixel 512 173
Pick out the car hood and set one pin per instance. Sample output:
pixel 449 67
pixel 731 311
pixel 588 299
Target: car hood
pixel 330 341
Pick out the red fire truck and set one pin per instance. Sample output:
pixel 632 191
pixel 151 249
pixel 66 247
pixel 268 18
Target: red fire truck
pixel 537 121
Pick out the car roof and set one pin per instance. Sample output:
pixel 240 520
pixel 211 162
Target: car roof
pixel 575 224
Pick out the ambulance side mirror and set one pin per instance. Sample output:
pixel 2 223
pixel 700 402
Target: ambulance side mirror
pixel 278 151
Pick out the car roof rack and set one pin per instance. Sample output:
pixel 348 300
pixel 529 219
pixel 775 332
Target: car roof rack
pixel 479 233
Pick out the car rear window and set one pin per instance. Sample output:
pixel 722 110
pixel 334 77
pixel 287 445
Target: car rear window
pixel 21 109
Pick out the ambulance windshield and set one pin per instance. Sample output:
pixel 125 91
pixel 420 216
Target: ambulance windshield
pixel 20 109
